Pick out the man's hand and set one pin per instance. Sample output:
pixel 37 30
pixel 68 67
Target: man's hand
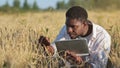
pixel 72 58
pixel 44 41
pixel 50 50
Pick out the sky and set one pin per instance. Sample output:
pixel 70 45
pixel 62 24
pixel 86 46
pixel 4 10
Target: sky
pixel 41 3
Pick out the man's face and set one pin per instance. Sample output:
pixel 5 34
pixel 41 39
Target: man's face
pixel 74 27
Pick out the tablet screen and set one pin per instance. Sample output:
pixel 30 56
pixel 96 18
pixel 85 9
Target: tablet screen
pixel 78 46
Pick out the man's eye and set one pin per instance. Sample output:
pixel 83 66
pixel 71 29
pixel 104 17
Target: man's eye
pixel 72 26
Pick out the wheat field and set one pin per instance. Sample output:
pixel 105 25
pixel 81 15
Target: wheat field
pixel 19 33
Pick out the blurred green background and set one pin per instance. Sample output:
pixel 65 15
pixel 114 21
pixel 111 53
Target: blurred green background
pixel 40 5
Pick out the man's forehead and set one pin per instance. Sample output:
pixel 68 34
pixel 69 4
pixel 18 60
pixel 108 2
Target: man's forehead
pixel 71 20
pixel 75 19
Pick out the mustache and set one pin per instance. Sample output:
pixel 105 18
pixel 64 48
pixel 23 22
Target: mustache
pixel 72 33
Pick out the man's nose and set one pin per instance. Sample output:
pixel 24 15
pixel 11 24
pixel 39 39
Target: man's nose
pixel 69 29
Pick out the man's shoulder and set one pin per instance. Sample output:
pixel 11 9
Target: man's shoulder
pixel 64 28
pixel 100 30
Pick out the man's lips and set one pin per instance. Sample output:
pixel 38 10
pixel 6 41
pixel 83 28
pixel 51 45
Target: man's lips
pixel 72 35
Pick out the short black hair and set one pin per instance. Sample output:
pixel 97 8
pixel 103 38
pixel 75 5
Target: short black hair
pixel 77 12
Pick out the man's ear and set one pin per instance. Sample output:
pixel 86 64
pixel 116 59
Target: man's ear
pixel 84 22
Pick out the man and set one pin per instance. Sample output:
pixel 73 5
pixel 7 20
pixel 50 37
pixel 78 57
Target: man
pixel 77 25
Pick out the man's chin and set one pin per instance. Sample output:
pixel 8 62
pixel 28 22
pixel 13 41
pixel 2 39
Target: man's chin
pixel 72 37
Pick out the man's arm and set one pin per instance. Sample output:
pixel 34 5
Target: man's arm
pixel 69 55
pixel 99 57
pixel 62 34
pixel 45 42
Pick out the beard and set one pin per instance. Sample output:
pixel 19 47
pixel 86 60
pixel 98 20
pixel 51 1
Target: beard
pixel 72 36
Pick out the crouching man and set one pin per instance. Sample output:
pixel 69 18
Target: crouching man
pixel 76 26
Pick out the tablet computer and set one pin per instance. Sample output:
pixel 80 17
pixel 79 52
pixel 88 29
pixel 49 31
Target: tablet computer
pixel 79 46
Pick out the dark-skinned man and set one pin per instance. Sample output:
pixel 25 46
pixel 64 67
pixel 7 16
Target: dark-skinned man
pixel 78 26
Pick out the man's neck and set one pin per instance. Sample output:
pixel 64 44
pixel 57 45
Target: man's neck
pixel 88 29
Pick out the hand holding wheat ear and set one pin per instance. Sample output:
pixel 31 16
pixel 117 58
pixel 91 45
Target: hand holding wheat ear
pixel 44 41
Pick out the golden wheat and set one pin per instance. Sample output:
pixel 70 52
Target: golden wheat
pixel 19 33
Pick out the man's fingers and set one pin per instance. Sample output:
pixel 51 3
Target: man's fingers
pixel 70 53
pixel 50 49
pixel 72 56
pixel 44 41
pixel 41 39
pixel 79 60
pixel 47 39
